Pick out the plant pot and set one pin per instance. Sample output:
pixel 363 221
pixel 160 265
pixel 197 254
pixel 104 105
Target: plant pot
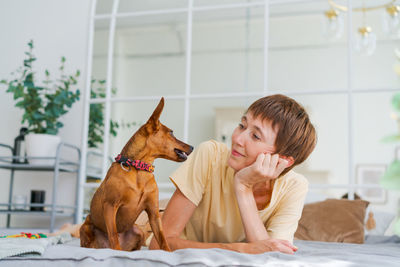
pixel 41 145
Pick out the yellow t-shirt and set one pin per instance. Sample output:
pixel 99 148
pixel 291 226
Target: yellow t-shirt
pixel 206 179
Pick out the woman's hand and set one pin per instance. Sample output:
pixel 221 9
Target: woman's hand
pixel 266 167
pixel 266 245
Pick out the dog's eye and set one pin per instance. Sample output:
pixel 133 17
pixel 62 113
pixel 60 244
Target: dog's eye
pixel 171 133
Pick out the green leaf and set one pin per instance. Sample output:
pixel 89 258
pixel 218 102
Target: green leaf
pixel 20 104
pixel 11 88
pixel 391 138
pixel 27 63
pixel 52 131
pixel 18 91
pixel 29 83
pixel 29 78
pixel 37 115
pixel 396 102
pixel 56 112
pixel 59 124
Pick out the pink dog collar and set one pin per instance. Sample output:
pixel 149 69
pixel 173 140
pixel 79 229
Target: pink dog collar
pixel 137 164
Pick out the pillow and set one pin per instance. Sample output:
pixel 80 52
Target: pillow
pixel 376 222
pixel 333 220
pixel 382 221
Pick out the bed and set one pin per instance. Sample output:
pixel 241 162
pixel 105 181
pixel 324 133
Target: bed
pixel 376 251
pixel 329 242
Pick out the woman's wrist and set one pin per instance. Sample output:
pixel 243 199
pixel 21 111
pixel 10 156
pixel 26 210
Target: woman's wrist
pixel 241 183
pixel 242 191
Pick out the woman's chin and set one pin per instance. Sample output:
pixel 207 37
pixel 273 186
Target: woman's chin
pixel 233 163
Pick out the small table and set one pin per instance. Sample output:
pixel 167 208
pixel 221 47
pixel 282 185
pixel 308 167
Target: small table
pixel 60 165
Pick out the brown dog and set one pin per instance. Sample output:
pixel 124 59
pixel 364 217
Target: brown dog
pixel 127 191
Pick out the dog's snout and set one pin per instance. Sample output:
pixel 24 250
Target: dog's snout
pixel 190 149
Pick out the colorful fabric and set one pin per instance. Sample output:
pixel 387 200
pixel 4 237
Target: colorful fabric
pixel 26 235
pixel 137 164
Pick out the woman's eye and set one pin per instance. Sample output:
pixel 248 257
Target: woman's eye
pixel 241 126
pixel 256 137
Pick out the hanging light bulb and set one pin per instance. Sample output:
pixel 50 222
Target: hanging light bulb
pixel 366 41
pixel 333 24
pixel 391 20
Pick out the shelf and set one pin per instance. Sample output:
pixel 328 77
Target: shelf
pixel 63 165
pixel 37 205
pixel 60 209
pixel 58 213
pixel 53 164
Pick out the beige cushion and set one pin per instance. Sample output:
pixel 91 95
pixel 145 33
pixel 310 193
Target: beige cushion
pixel 333 220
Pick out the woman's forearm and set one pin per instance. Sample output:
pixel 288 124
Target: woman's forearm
pixel 252 223
pixel 179 243
pixel 256 247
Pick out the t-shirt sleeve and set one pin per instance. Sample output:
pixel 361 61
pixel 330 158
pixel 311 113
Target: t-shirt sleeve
pixel 192 176
pixel 283 224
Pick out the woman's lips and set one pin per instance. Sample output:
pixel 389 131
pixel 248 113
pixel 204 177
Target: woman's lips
pixel 236 154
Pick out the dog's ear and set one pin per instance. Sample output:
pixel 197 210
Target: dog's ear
pixel 154 122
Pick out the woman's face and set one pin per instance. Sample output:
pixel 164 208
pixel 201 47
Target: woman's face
pixel 252 137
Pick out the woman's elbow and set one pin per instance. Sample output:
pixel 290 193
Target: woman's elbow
pixel 170 238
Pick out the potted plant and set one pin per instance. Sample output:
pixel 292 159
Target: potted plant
pixel 43 105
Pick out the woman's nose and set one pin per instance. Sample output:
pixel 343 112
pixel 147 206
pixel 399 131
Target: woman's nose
pixel 239 138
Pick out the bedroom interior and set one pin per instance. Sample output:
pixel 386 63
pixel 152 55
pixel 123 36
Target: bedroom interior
pixel 210 60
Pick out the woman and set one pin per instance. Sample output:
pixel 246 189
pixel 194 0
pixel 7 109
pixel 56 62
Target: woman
pixel 245 198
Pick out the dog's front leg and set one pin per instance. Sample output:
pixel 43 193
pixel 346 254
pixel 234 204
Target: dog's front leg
pixel 110 212
pixel 155 221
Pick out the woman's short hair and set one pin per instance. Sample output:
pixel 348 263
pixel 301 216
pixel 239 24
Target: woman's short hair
pixel 296 136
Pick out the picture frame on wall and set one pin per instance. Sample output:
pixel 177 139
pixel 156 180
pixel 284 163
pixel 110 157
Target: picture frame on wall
pixel 370 174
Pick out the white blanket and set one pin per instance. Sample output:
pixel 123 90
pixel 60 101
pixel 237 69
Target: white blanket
pixel 21 245
pixel 380 251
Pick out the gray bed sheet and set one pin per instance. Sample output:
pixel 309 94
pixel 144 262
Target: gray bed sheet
pixel 377 251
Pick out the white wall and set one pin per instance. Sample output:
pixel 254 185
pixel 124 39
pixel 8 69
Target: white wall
pixel 58 28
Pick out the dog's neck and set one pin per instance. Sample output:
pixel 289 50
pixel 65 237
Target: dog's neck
pixel 135 148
